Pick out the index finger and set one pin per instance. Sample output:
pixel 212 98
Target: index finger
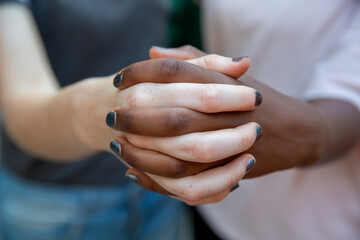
pixel 168 70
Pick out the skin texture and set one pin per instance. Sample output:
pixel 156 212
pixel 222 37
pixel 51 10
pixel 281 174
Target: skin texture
pixel 34 107
pixel 68 124
pixel 172 121
pixel 161 164
pixel 61 125
pixel 309 133
pixel 297 134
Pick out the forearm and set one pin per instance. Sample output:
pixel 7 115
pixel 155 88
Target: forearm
pixel 341 120
pixel 43 124
pixel 24 66
pixel 311 131
pixel 41 118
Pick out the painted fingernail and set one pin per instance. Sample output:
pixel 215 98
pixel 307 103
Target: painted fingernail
pixel 258 98
pixel 115 148
pixel 234 187
pixel 132 178
pixel 160 48
pixel 238 59
pixel 118 79
pixel 111 119
pixel 250 165
pixel 259 133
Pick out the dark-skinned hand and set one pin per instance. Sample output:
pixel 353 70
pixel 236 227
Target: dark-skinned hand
pixel 294 131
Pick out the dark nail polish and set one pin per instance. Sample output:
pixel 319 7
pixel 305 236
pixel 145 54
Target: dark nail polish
pixel 250 165
pixel 118 79
pixel 238 59
pixel 111 119
pixel 259 133
pixel 258 98
pixel 234 187
pixel 115 148
pixel 132 178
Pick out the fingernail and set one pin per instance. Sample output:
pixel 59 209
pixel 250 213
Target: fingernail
pixel 111 119
pixel 259 133
pixel 258 98
pixel 118 79
pixel 250 165
pixel 238 59
pixel 132 178
pixel 115 148
pixel 234 187
pixel 160 48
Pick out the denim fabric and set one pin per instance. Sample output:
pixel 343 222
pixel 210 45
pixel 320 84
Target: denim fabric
pixel 40 211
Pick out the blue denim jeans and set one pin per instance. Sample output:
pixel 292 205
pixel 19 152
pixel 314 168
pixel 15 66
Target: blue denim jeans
pixel 39 211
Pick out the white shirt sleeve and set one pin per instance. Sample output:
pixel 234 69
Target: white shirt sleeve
pixel 338 76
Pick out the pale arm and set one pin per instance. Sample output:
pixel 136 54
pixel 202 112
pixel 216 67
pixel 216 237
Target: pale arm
pixel 38 115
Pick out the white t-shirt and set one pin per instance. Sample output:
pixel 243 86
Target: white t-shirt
pixel 307 49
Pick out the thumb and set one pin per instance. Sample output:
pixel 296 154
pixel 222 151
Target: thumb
pixel 232 67
pixel 182 53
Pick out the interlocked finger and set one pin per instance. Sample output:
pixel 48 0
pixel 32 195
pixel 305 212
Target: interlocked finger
pixel 202 147
pixel 158 163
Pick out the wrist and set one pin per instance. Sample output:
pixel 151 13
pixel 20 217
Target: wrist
pixel 92 99
pixel 296 127
pixel 316 131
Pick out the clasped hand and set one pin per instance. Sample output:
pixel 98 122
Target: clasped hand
pixel 187 126
pixel 180 131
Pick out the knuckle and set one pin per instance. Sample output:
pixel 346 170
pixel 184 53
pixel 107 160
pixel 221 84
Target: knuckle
pixel 132 160
pixel 202 151
pixel 128 120
pixel 169 68
pixel 210 59
pixel 178 168
pixel 191 194
pixel 137 97
pixel 193 51
pixel 137 140
pixel 209 98
pixel 178 121
pixel 188 48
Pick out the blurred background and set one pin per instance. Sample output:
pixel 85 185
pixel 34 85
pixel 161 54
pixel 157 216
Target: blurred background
pixel 0 138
